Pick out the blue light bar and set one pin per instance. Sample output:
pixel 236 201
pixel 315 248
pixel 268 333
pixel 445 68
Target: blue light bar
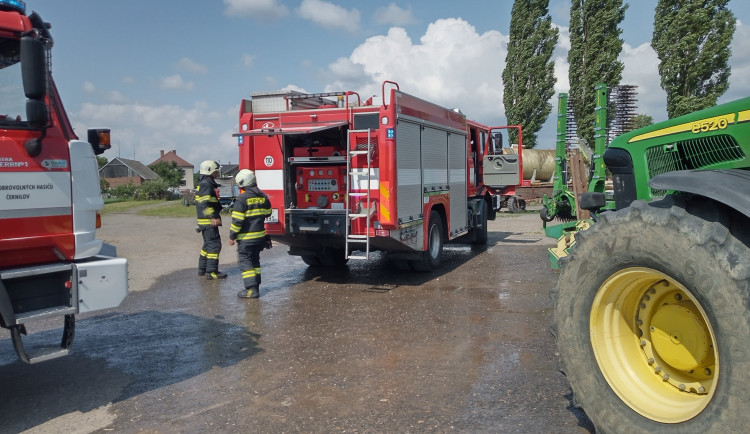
pixel 16 5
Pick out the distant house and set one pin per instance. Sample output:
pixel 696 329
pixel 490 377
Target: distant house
pixel 187 169
pixel 121 171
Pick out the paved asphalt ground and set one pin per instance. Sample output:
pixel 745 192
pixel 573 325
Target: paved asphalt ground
pixel 366 348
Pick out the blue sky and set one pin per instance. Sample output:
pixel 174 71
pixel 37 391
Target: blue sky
pixel 170 74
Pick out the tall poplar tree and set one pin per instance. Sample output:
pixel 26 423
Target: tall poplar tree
pixel 595 45
pixel 529 75
pixel 692 39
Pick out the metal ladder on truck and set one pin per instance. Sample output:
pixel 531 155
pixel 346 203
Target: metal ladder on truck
pixel 358 149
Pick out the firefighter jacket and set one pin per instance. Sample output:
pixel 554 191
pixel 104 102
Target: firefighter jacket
pixel 207 204
pixel 248 217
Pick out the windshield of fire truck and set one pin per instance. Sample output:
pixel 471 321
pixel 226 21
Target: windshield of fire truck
pixel 12 98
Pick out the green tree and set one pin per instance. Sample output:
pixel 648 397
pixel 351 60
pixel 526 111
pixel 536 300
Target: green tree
pixel 529 75
pixel 595 45
pixel 640 121
pixel 692 39
pixel 169 172
pixel 101 161
pixel 153 189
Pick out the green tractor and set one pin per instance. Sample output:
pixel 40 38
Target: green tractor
pixel 652 311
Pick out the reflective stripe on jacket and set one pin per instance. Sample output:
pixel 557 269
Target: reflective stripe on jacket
pixel 207 204
pixel 250 211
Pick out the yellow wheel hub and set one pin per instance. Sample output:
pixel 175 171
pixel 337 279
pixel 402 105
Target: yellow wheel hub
pixel 654 345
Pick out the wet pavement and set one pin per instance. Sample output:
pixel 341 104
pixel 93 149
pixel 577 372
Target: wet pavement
pixel 366 348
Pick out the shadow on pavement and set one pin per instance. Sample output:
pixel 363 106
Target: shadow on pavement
pixel 128 354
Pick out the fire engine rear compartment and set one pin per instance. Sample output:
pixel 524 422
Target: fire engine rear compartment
pixel 430 160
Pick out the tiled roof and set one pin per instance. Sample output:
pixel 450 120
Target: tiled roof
pixel 170 157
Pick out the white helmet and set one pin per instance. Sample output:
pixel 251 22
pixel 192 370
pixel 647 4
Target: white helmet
pixel 208 167
pixel 245 178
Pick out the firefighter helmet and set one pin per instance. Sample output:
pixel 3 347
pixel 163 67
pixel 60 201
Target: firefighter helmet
pixel 208 167
pixel 245 178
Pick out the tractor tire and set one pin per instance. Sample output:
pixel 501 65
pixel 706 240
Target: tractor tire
pixel 480 234
pixel 652 322
pixel 434 253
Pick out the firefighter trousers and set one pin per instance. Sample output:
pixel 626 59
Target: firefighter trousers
pixel 248 257
pixel 209 258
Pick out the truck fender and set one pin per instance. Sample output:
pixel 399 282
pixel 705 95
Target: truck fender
pixel 730 187
pixel 7 315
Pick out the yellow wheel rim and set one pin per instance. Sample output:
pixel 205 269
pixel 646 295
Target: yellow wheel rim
pixel 654 345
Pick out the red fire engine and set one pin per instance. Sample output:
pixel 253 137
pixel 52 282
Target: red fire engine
pixel 51 263
pixel 397 174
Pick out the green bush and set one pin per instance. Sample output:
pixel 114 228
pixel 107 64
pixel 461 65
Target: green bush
pixel 103 186
pixel 153 189
pixel 124 191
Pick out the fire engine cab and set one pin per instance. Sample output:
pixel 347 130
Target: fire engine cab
pixel 394 173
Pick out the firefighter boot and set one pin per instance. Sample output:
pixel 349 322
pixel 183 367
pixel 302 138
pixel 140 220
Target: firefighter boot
pixel 216 275
pixel 251 292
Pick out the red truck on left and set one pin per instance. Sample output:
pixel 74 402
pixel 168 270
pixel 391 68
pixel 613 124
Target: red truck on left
pixel 51 264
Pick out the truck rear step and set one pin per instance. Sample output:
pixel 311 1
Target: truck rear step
pixel 41 354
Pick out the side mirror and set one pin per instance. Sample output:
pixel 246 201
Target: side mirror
pixel 34 68
pixel 497 142
pixel 37 114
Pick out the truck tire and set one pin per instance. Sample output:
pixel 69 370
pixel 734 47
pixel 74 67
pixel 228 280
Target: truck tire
pixel 312 261
pixel 652 319
pixel 332 257
pixel 513 206
pixel 327 257
pixel 480 234
pixel 434 253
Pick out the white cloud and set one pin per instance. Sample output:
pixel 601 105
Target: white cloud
pixel 739 81
pixel 108 96
pixel 176 82
pixel 141 130
pixel 247 60
pixel 329 15
pixel 260 9
pixel 188 64
pixel 453 66
pixel 642 70
pixel 393 15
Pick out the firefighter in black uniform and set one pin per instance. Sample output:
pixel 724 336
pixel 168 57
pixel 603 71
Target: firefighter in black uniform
pixel 207 207
pixel 248 228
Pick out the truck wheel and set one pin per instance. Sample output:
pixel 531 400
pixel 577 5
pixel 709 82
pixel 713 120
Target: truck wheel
pixel 331 257
pixel 480 234
pixel 513 204
pixel 431 257
pixel 652 322
pixel 312 261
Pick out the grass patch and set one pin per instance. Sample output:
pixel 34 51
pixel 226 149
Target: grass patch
pixel 120 206
pixel 173 208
